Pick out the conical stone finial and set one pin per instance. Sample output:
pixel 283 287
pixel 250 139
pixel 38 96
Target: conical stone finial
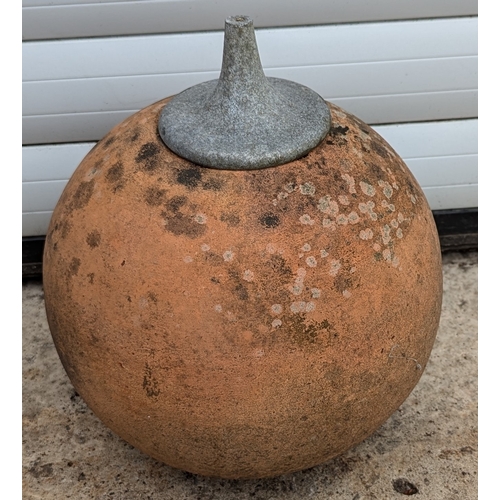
pixel 244 120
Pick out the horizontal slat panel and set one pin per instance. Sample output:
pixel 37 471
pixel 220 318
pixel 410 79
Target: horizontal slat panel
pixel 36 224
pixel 381 109
pixel 41 196
pixel 429 73
pixel 44 19
pixel 331 81
pixel 452 197
pixel 53 162
pixel 291 47
pixel 441 155
pixel 424 140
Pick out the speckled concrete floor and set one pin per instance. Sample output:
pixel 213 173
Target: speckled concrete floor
pixel 427 447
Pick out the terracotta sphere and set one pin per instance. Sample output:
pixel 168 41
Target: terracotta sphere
pixel 243 324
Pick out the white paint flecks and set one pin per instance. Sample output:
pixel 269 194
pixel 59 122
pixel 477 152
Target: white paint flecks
pixel 218 308
pixel 323 253
pixel 205 247
pixel 306 247
pixel 315 293
pixel 346 294
pixel 276 323
pixel 187 259
pixel 399 233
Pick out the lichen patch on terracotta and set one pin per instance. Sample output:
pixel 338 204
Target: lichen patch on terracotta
pixel 306 220
pixel 328 206
pixel 307 189
pixel 366 234
pixel 228 255
pixel 311 261
pixel 248 275
pixel 367 188
pixel 335 266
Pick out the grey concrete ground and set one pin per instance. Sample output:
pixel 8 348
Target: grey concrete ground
pixel 427 448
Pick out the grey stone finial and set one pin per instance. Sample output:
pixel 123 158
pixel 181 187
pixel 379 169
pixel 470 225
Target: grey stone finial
pixel 244 120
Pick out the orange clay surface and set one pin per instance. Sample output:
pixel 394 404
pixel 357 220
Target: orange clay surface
pixel 243 324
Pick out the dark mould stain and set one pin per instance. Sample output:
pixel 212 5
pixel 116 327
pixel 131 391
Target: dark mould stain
pixel 278 265
pixel 213 279
pixel 214 259
pixel 74 266
pixel 377 172
pixel 149 383
pixel 82 194
pixel 303 333
pixel 183 225
pixel 213 184
pixel 232 220
pixel 338 130
pixel 152 297
pixel 344 281
pixel 380 149
pixel 154 196
pixel 147 156
pixel 175 203
pixel 269 220
pixel 403 486
pixel 93 239
pixel 135 135
pixel 189 177
pixel 115 173
pixel 109 141
pixel 241 292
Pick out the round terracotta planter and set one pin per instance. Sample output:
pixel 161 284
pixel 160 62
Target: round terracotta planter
pixel 243 323
pixel 246 323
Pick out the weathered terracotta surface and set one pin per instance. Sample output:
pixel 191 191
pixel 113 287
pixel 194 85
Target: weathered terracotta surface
pixel 243 323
